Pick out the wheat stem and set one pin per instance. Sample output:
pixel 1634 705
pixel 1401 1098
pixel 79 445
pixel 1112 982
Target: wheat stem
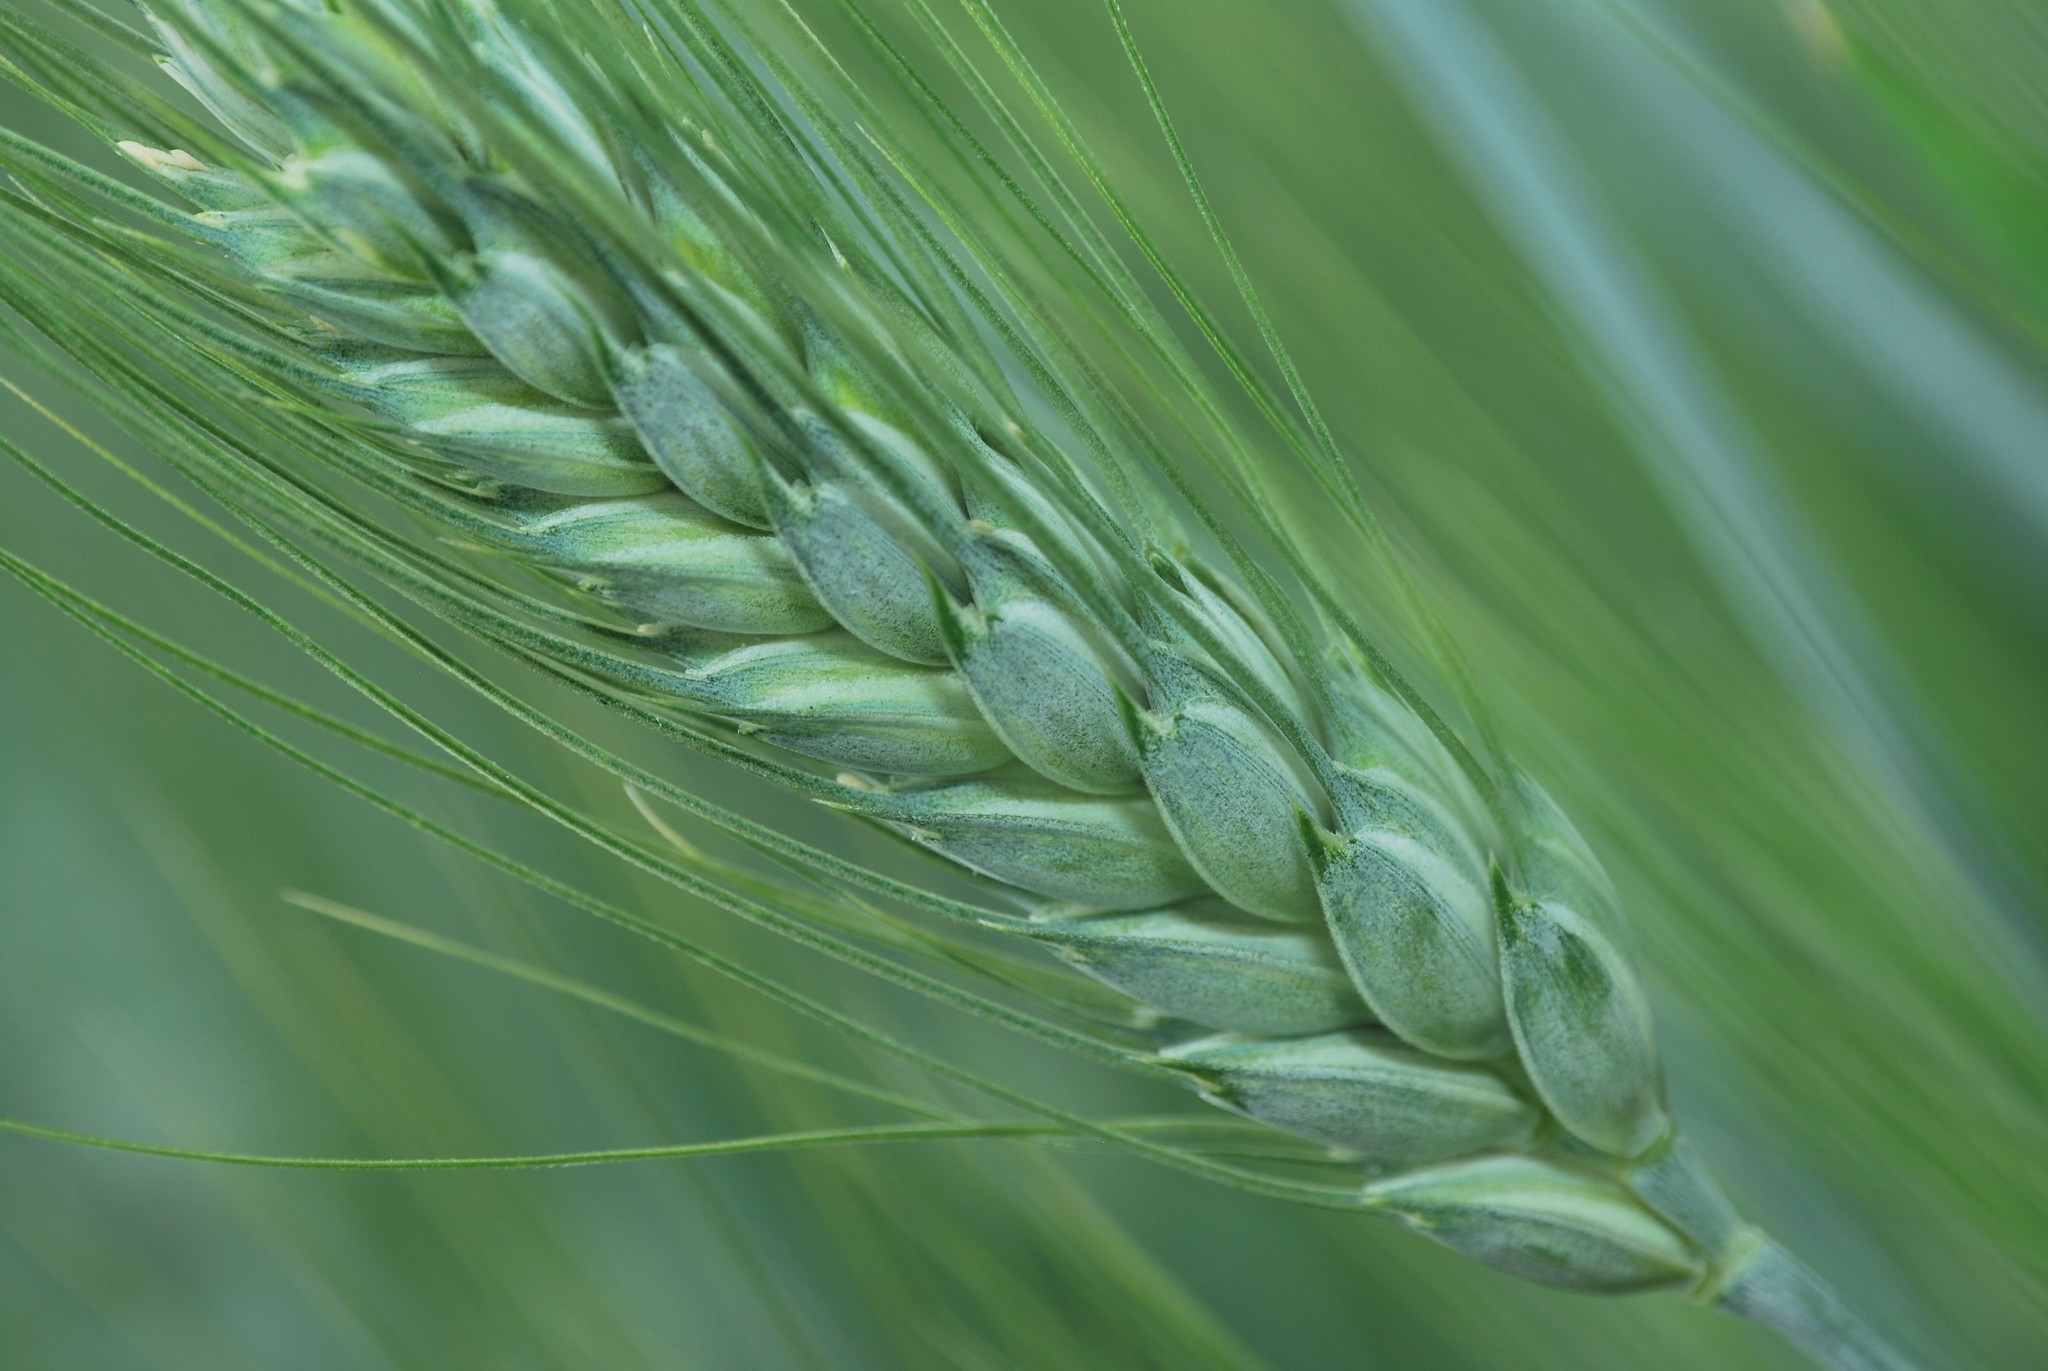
pixel 1775 1289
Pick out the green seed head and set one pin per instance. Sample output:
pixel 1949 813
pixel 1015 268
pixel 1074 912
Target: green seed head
pixel 706 422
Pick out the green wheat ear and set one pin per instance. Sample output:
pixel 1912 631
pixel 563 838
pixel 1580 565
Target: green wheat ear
pixel 778 493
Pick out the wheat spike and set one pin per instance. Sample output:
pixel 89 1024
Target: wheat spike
pixel 1247 833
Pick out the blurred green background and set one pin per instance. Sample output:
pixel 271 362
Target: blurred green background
pixel 1694 354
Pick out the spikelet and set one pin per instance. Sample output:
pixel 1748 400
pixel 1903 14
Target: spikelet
pixel 1206 963
pixel 1362 1091
pixel 1542 1219
pixel 1050 682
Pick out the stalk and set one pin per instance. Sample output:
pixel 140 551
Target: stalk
pixel 1775 1289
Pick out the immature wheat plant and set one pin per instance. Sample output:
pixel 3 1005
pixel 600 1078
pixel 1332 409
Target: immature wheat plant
pixel 612 337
